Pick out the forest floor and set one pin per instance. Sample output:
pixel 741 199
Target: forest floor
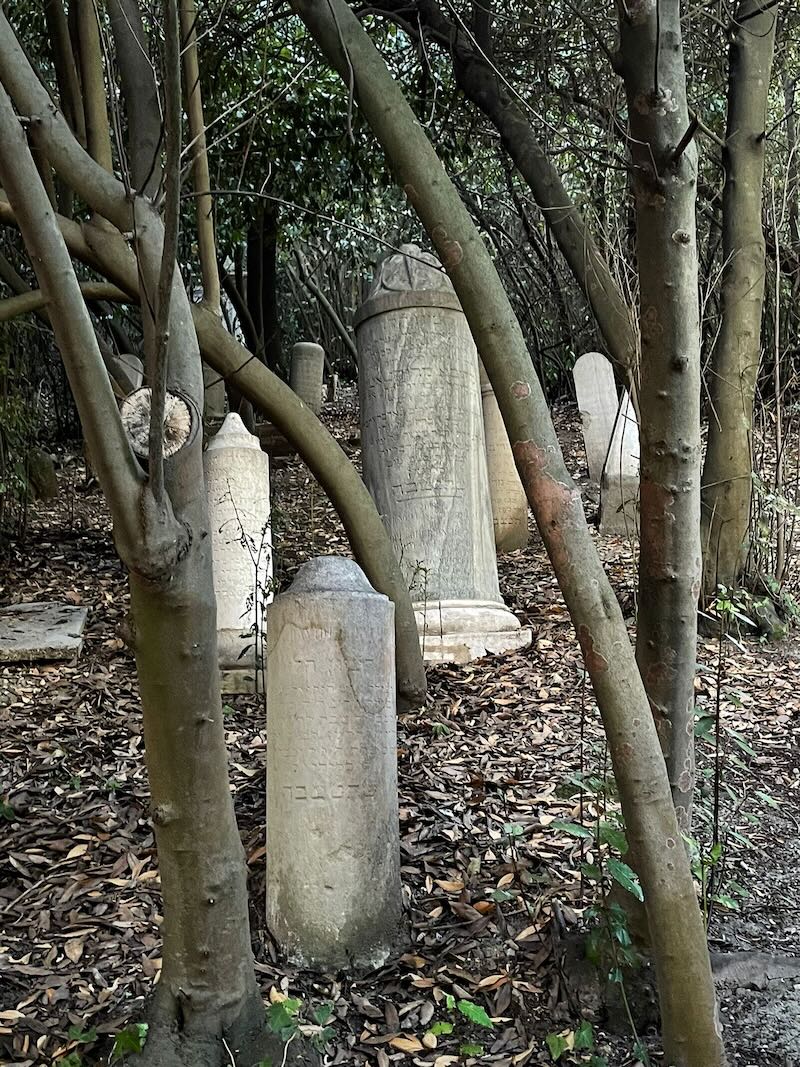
pixel 504 752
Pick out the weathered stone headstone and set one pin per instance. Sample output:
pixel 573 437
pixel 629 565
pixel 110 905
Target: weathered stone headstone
pixel 424 457
pixel 41 472
pixel 333 847
pixel 237 483
pixel 598 403
pixel 619 486
pixel 509 503
pixel 46 631
pixel 305 373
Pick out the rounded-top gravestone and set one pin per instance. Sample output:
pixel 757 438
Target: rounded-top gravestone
pixel 333 846
pixel 424 458
pixel 306 371
pixel 509 503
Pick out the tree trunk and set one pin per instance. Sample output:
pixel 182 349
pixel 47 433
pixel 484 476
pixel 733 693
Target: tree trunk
pixel 270 312
pixel 665 186
pixel 688 1003
pixel 727 485
pixel 207 1005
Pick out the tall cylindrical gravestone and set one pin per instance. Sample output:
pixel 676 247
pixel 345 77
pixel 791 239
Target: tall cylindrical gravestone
pixel 237 484
pixel 333 848
pixel 306 371
pixel 424 458
pixel 509 503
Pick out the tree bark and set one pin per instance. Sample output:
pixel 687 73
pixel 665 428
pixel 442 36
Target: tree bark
pixel 140 95
pixel 664 159
pixel 98 139
pixel 727 484
pixel 688 1003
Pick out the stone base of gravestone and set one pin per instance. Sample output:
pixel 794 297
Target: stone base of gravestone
pixel 619 505
pixel 46 631
pixel 333 846
pixel 619 485
pixel 459 631
pixel 233 681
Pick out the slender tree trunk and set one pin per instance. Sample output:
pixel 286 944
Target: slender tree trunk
pixel 140 95
pixel 207 1007
pixel 688 1003
pixel 665 187
pixel 98 139
pixel 727 486
pixel 480 84
pixel 270 312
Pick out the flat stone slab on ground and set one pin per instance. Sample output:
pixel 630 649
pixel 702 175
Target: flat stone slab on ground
pixel 43 631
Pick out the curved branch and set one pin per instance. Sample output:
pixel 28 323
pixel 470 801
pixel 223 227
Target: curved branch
pixel 120 475
pixel 109 254
pixel 36 300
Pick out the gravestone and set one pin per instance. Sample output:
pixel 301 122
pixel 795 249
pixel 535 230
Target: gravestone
pixel 333 387
pixel 596 391
pixel 305 373
pixel 41 472
pixel 333 846
pixel 237 484
pixel 619 486
pixel 424 458
pixel 46 631
pixel 509 503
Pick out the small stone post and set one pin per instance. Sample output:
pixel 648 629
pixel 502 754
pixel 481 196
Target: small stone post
pixel 509 503
pixel 305 373
pixel 333 846
pixel 237 483
pixel 424 457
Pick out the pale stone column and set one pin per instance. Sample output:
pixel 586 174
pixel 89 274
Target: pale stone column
pixel 305 373
pixel 509 503
pixel 237 484
pixel 596 392
pixel 424 457
pixel 333 840
pixel 619 486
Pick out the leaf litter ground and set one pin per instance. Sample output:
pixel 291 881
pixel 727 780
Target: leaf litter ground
pixel 488 771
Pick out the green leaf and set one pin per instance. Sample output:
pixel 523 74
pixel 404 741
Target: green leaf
pixel 513 829
pixel 771 801
pixel 556 1044
pixel 572 828
pixel 131 1039
pixel 704 725
pixel 727 901
pixel 321 1014
pixel 6 811
pixel 584 1036
pixel 281 1016
pixel 471 1050
pixel 450 1001
pixel 475 1013
pixel 612 835
pixel 441 1028
pixel 84 1036
pixel 624 876
pixel 591 871
pixel 740 741
pixel 501 896
pixel 73 1060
